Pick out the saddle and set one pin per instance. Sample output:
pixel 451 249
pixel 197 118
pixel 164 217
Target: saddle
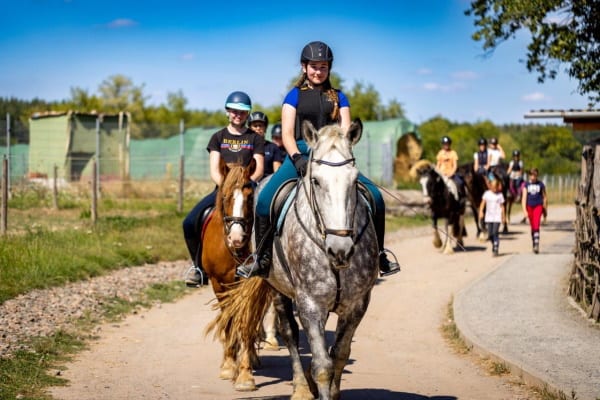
pixel 285 195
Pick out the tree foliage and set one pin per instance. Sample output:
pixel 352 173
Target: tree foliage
pixel 563 32
pixel 551 148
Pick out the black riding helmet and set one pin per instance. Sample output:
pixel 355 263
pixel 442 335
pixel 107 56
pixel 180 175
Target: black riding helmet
pixel 446 140
pixel 276 130
pixel 516 153
pixel 493 141
pixel 316 51
pixel 482 141
pixel 238 101
pixel 260 117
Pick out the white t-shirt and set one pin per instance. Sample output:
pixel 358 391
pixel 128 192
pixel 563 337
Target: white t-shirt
pixel 493 206
pixel 494 155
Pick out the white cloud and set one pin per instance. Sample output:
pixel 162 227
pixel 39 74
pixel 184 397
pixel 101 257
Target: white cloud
pixel 535 96
pixel 465 75
pixel 436 87
pixel 424 71
pixel 121 23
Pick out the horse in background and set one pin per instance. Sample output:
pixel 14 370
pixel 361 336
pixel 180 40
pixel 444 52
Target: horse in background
pixel 326 261
pixel 476 186
pixel 226 243
pixel 442 204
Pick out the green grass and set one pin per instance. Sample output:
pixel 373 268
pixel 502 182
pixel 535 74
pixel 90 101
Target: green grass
pixel 41 258
pixel 28 374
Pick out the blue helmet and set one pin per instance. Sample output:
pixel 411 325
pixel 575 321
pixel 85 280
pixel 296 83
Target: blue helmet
pixel 238 101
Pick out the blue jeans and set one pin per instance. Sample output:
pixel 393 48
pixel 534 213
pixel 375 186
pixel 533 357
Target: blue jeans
pixel 191 228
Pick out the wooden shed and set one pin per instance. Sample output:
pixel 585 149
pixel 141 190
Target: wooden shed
pixel 70 140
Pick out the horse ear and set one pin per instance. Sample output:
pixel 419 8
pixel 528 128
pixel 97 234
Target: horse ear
pixel 309 132
pixel 354 132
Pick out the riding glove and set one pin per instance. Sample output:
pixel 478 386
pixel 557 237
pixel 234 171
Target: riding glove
pixel 300 163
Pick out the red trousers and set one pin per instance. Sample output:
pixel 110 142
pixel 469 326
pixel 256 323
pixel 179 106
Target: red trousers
pixel 534 213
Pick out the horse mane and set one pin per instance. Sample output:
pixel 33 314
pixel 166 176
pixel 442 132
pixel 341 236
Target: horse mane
pixel 332 137
pixel 418 167
pixel 235 176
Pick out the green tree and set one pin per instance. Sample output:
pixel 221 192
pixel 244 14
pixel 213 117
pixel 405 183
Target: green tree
pixel 82 101
pixel 563 32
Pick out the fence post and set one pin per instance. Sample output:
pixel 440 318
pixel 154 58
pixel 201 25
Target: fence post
pixel 181 167
pixel 8 151
pixel 55 187
pixel 4 200
pixel 97 163
pixel 94 209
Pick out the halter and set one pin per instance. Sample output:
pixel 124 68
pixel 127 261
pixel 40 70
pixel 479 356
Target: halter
pixel 314 206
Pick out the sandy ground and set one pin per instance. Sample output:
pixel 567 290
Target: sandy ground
pixel 398 351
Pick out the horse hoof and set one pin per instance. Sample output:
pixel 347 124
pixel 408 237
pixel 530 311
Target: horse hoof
pixel 271 345
pixel 246 386
pixel 227 374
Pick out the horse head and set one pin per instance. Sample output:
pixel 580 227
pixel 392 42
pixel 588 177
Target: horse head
pixel 235 201
pixel 425 172
pixel 331 187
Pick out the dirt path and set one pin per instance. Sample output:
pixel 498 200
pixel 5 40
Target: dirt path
pixel 398 352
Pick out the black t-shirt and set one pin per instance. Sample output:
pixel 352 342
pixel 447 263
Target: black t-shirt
pixel 272 154
pixel 236 148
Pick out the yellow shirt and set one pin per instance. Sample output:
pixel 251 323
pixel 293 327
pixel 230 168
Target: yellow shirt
pixel 447 162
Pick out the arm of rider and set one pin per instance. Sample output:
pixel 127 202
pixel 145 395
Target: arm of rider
pixel 502 154
pixel 345 117
pixel 260 167
pixel 288 122
pixel 215 174
pixel 524 203
pixel 475 162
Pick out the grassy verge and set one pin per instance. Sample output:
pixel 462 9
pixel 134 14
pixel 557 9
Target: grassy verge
pixel 28 374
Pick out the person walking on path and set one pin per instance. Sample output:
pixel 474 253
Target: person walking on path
pixel 259 122
pixel 311 99
pixel 535 204
pixel 493 204
pixel 234 144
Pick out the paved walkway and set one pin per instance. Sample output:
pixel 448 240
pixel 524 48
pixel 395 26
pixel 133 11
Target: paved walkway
pixel 520 314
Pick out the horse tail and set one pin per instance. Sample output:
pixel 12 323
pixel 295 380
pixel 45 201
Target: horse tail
pixel 242 310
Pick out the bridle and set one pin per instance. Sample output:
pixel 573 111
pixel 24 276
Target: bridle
pixel 229 221
pixel 322 229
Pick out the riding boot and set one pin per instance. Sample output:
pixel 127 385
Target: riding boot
pixel 195 275
pixel 386 267
pixel 259 263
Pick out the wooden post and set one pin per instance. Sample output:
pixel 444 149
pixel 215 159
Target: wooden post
pixel 4 200
pixel 55 187
pixel 94 210
pixel 181 168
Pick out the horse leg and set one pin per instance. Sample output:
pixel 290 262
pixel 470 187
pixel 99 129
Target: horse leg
pixel 447 248
pixel 313 320
pixel 290 332
pixel 245 380
pixel 437 242
pixel 269 326
pixel 340 351
pixel 229 364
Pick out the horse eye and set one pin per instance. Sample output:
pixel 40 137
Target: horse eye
pixel 315 182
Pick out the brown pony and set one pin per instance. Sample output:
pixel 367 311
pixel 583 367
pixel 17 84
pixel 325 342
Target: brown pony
pixel 226 244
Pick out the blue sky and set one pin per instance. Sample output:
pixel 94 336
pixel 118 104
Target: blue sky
pixel 417 52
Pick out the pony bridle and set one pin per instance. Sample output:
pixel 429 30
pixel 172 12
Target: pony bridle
pixel 322 228
pixel 230 221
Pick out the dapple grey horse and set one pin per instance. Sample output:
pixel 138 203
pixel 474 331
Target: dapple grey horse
pixel 326 261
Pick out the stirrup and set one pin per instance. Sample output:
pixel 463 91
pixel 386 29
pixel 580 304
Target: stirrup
pixel 394 266
pixel 200 272
pixel 248 268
